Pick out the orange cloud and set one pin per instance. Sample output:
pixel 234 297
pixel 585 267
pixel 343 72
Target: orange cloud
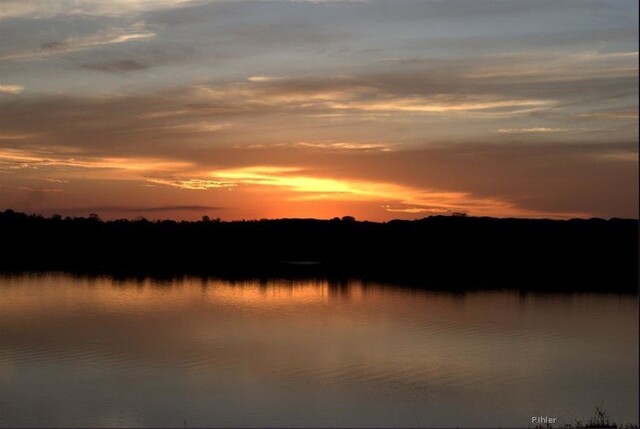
pixel 346 146
pixel 35 159
pixel 11 89
pixel 297 185
pixel 194 184
pixel 281 186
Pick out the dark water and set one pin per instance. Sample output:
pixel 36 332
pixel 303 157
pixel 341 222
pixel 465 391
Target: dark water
pixel 97 352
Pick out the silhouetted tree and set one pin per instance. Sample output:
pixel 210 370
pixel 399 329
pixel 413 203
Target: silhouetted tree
pixel 536 253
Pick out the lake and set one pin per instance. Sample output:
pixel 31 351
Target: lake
pixel 97 351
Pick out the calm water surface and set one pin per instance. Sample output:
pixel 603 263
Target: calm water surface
pixel 99 352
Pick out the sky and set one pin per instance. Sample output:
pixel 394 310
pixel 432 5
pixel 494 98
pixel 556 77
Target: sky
pixel 376 109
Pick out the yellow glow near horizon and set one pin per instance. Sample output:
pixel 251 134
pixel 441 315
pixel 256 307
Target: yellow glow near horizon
pixel 284 191
pixel 292 185
pixel 282 177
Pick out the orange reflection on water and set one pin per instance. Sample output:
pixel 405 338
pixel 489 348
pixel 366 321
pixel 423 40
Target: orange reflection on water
pixel 505 350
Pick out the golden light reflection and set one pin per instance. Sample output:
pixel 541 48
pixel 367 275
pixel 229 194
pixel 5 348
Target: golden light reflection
pixel 395 343
pixel 151 295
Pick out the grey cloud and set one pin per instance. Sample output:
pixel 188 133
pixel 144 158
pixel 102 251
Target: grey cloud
pixel 150 123
pixel 38 10
pixel 117 66
pixel 229 39
pixel 141 57
pixel 23 37
pixel 606 39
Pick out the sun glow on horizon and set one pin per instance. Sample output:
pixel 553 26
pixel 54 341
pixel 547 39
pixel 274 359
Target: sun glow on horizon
pixel 289 190
pixel 319 108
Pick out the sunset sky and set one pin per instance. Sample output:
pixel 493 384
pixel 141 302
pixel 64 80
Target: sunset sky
pixel 264 109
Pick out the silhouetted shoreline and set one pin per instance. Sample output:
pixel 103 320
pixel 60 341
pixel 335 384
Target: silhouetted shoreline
pixel 453 252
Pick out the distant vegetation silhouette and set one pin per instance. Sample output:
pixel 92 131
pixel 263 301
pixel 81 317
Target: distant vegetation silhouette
pixel 436 252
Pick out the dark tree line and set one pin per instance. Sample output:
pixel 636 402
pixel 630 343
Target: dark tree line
pixel 438 251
